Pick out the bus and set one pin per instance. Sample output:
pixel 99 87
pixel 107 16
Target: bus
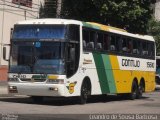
pixel 67 58
pixel 157 70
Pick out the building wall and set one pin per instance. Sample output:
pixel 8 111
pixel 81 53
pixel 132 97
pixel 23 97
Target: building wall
pixel 9 14
pixel 157 10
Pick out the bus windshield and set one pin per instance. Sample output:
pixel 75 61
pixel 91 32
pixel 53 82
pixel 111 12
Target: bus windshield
pixel 37 58
pixel 39 32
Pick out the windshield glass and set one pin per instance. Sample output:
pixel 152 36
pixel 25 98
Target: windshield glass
pixel 37 57
pixel 39 32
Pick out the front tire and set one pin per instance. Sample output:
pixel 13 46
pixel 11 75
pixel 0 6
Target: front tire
pixel 85 92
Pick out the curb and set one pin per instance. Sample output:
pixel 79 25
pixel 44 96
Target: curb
pixel 3 83
pixel 3 89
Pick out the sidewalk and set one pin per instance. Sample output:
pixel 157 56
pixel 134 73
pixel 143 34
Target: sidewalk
pixel 3 88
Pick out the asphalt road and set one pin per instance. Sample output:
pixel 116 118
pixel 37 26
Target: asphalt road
pixel 23 105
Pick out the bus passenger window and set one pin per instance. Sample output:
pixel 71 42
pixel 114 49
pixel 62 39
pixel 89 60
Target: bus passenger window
pixel 135 47
pixel 99 41
pixel 151 49
pixel 85 38
pixel 144 48
pixel 114 44
pixel 126 45
pixel 90 44
pixel 106 42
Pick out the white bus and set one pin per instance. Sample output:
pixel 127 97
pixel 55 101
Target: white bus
pixel 157 70
pixel 59 57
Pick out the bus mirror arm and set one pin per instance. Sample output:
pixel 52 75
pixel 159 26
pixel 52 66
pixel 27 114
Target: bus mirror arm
pixel 5 52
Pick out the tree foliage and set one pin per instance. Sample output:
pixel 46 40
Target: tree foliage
pixel 48 10
pixel 132 15
pixel 154 30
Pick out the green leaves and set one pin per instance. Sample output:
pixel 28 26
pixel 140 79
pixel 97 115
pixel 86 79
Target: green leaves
pixel 133 15
pixel 154 30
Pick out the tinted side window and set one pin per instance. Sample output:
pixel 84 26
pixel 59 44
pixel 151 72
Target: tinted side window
pixel 74 33
pixel 106 42
pixel 151 49
pixel 114 43
pixel 136 47
pixel 85 38
pixel 89 37
pixel 91 43
pixel 99 43
pixel 144 48
pixel 126 45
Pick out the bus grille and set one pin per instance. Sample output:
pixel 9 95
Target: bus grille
pixel 25 79
pixel 32 80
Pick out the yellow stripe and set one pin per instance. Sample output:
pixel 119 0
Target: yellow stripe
pixel 52 77
pixel 106 28
pixel 124 78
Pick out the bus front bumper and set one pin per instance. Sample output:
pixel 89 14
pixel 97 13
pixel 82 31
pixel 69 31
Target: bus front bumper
pixel 36 89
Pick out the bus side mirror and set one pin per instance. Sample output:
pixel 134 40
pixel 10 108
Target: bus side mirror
pixel 6 53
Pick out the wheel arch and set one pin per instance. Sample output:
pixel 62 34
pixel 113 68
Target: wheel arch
pixel 87 79
pixel 142 81
pixel 135 80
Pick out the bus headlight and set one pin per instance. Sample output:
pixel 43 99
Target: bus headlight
pixel 12 79
pixel 12 89
pixel 56 81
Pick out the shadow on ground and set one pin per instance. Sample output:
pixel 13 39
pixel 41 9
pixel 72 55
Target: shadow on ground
pixel 67 101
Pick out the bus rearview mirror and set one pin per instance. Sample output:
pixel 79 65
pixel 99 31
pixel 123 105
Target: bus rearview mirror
pixel 6 53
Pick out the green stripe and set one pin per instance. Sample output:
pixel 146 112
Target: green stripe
pixel 90 25
pixel 105 73
pixel 101 73
pixel 109 73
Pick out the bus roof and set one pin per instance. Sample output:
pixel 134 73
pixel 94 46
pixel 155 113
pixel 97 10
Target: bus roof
pixel 87 24
pixel 117 31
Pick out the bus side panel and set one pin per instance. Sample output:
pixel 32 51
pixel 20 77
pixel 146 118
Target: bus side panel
pixel 105 73
pixel 123 78
pixel 150 82
pixel 87 68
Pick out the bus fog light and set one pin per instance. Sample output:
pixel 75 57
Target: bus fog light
pixel 53 89
pixel 12 89
pixel 56 89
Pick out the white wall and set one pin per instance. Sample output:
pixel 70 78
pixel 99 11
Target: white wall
pixel 9 15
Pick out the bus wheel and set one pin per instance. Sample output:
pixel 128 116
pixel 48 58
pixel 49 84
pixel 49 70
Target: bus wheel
pixel 37 99
pixel 140 90
pixel 85 92
pixel 133 93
